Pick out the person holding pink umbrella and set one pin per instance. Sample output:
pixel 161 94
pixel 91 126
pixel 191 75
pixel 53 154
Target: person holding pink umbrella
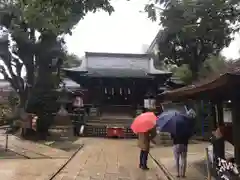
pixel 144 126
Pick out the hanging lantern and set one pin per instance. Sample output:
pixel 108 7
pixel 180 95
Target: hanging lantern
pixel 149 103
pixel 78 102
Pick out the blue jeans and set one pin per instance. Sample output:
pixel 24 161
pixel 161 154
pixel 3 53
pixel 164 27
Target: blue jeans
pixel 143 158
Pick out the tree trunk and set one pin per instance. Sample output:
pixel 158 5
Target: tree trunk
pixel 194 67
pixel 44 84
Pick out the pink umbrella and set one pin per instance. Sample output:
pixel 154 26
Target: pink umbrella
pixel 144 122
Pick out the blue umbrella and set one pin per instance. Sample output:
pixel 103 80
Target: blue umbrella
pixel 174 122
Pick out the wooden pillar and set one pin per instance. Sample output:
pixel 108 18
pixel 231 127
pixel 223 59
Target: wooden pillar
pixel 214 116
pixel 219 108
pixel 220 122
pixel 100 95
pixel 134 98
pixel 236 129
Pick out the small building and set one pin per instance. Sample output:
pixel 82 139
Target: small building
pixel 223 94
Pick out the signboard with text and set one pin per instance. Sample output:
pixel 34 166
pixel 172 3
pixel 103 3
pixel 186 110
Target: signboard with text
pixel 226 170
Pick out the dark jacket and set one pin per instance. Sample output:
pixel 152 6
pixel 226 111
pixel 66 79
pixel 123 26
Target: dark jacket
pixel 218 147
pixel 180 139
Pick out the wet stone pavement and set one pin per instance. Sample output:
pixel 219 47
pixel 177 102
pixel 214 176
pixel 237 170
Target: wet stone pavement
pixel 196 168
pixel 106 159
pixel 100 159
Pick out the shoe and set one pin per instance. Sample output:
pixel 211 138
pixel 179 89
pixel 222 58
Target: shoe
pixel 144 168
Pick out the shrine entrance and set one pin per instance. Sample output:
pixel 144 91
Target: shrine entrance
pixel 116 95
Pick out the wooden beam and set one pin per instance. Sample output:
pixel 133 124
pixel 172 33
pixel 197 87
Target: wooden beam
pixel 219 109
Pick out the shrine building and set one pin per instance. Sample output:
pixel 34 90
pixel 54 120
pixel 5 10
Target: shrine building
pixel 116 86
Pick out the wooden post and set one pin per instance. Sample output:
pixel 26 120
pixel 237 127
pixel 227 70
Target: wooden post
pixel 208 165
pixel 236 127
pixel 6 141
pixel 134 99
pixel 214 116
pixel 220 120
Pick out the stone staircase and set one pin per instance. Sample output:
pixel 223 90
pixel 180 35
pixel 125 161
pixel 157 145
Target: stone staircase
pixel 101 131
pixel 111 116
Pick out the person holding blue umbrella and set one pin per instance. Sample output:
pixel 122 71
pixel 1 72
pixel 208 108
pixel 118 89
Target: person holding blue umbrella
pixel 180 126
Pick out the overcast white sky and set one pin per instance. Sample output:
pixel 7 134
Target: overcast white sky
pixel 126 30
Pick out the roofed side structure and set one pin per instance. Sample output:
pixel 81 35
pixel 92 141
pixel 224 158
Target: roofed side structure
pixel 221 87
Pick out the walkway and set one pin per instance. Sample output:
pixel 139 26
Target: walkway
pixel 196 169
pixel 106 159
pixel 29 160
pixel 196 166
pixel 100 159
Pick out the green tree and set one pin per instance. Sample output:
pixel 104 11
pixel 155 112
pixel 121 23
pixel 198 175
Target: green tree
pixel 183 73
pixel 21 20
pixel 40 56
pixel 214 65
pixel 71 60
pixel 194 30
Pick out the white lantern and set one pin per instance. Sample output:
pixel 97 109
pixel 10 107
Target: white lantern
pixel 78 102
pixel 150 103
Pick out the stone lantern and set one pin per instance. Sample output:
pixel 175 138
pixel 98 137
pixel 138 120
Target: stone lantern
pixel 62 116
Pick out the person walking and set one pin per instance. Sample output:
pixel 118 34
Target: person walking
pixel 180 148
pixel 144 140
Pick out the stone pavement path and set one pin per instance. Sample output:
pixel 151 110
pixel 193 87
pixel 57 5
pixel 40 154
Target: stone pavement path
pixel 31 149
pixel 44 160
pixel 196 169
pixel 106 159
pixel 32 169
pixel 100 159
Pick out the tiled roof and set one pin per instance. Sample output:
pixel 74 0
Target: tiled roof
pixel 121 73
pixel 104 54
